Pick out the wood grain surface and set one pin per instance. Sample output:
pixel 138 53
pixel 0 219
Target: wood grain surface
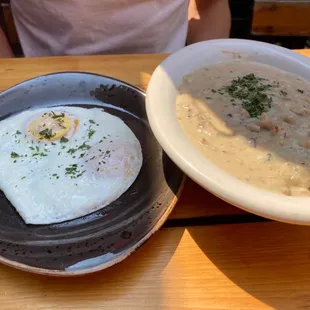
pixel 135 69
pixel 197 265
pixel 281 18
pixel 241 266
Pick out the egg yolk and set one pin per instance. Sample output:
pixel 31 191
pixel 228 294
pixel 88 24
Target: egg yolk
pixel 50 126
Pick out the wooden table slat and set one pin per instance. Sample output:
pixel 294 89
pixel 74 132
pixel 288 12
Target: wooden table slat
pixel 281 18
pixel 134 69
pixel 242 266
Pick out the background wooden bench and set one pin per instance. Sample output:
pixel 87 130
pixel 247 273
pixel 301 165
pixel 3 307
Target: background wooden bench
pixel 281 18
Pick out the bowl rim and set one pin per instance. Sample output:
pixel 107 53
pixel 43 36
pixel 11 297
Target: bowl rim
pixel 250 198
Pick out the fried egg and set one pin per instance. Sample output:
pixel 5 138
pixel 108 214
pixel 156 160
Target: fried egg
pixel 62 163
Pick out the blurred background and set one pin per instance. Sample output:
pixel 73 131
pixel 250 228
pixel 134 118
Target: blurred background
pixel 281 22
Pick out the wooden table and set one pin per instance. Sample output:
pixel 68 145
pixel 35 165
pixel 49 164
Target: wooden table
pixel 281 18
pixel 209 255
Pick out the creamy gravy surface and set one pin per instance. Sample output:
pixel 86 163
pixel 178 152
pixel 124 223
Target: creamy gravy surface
pixel 269 149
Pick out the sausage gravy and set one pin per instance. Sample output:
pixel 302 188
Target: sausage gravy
pixel 251 120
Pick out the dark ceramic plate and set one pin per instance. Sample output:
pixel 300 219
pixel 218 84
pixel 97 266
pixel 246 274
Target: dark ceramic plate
pixel 107 236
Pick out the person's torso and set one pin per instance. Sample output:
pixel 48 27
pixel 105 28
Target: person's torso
pixel 72 27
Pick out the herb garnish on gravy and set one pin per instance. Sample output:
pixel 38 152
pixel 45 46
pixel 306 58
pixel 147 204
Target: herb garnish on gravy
pixel 251 120
pixel 251 90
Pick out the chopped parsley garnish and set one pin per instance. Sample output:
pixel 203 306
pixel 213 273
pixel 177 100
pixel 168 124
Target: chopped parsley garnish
pixel 300 90
pixel 18 132
pixel 80 174
pixel 92 121
pixel 64 140
pixel 47 133
pixel 213 90
pixel 39 154
pixel 14 155
pixel 53 143
pixel 22 178
pixel 55 175
pixel 283 93
pixel 58 115
pixel 91 132
pixel 73 171
pixel 37 151
pixel 250 89
pixel 82 147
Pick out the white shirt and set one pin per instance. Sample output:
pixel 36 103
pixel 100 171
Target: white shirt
pixel 76 27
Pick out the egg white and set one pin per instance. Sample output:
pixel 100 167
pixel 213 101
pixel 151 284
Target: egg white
pixel 54 182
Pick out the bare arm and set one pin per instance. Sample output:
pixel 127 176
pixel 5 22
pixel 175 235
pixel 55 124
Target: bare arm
pixel 208 19
pixel 5 49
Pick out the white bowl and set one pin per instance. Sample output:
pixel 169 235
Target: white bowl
pixel 161 111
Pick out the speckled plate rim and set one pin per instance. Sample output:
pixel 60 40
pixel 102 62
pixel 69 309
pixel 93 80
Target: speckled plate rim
pixel 125 254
